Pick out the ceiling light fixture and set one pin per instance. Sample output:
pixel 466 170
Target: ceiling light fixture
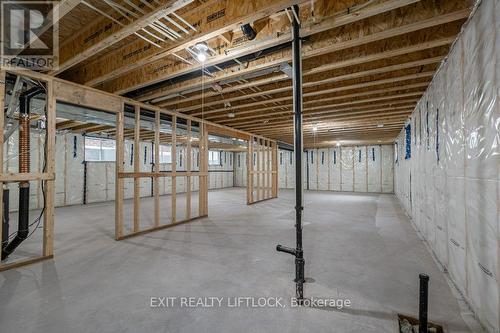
pixel 380 125
pixel 315 128
pixel 202 49
pixel 338 144
pixel 231 115
pixel 201 57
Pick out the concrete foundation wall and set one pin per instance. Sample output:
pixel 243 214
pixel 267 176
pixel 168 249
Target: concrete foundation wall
pixel 447 170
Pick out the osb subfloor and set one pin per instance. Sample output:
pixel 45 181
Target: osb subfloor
pixel 359 247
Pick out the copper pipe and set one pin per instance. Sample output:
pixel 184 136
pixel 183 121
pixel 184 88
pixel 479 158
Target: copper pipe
pixel 24 143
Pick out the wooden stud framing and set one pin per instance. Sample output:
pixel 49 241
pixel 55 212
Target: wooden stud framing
pixel 61 90
pixel 250 161
pixel 156 180
pixel 174 169
pixel 262 179
pixel 137 181
pixel 188 170
pixel 119 182
pixel 47 177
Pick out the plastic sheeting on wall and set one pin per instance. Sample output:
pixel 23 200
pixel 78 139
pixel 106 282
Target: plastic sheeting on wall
pixel 454 193
pixel 360 169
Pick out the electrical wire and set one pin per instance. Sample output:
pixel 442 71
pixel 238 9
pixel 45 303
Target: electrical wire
pixel 38 220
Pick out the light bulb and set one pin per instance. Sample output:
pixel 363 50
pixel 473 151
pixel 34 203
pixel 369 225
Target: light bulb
pixel 201 57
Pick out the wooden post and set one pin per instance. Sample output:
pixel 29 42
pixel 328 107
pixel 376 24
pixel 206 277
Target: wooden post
pixel 259 168
pixel 174 169
pixel 203 186
pixel 48 225
pixel 137 180
pixel 188 171
pixel 118 180
pixel 156 184
pixel 275 173
pixel 250 170
pixel 268 170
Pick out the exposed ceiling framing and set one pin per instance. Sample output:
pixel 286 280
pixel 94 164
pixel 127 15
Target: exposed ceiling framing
pixel 365 62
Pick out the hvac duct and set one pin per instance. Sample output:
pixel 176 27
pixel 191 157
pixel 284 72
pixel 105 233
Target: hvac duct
pixel 248 31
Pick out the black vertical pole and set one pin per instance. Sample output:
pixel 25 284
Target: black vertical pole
pixel 5 219
pixel 297 106
pixel 423 303
pixel 85 182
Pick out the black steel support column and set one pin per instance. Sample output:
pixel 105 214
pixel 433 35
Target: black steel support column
pixel 297 106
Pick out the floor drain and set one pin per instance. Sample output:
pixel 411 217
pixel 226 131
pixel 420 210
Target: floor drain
pixel 409 324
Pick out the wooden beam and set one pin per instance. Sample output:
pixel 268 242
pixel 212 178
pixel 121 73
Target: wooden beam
pixel 160 71
pixel 334 114
pixel 314 70
pixel 74 52
pixel 222 28
pixel 211 19
pixel 320 82
pixel 313 94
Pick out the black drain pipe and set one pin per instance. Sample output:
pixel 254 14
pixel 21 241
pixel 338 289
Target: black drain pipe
pixel 5 220
pixel 423 303
pixel 24 167
pixel 297 105
pixel 85 182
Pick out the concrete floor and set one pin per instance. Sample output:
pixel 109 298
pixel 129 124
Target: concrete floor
pixel 359 247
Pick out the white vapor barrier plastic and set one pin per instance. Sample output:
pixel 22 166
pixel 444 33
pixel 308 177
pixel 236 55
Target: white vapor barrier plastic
pixel 359 169
pixel 322 170
pixel 312 169
pixel 100 176
pixel 374 169
pixel 335 168
pixel 450 185
pixel 347 172
pixel 360 172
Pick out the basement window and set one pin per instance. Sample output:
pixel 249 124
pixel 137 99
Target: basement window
pixel 165 154
pixel 214 157
pixel 100 150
